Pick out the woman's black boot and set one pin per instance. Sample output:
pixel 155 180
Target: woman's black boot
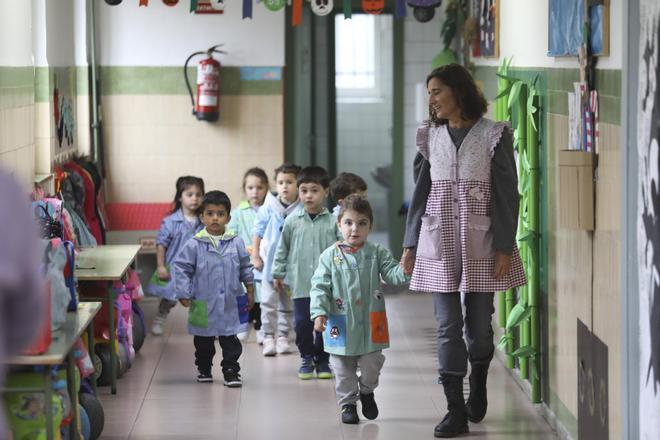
pixel 455 422
pixel 477 401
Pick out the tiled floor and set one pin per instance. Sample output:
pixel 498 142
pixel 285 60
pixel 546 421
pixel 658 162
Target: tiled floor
pixel 158 397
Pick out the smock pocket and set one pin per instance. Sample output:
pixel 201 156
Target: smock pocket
pixel 335 331
pixel 429 244
pixel 379 331
pixel 480 237
pixel 198 315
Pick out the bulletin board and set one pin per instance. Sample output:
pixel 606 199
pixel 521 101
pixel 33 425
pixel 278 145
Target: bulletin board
pixel 565 21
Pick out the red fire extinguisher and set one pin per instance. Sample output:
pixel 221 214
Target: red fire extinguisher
pixel 207 105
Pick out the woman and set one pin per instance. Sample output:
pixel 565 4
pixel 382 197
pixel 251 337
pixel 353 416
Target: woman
pixel 460 233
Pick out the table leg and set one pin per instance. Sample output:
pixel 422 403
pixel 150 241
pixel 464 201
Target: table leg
pixel 73 395
pixel 90 348
pixel 48 404
pixel 113 344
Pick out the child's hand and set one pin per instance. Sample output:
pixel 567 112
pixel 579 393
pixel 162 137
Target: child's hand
pixel 279 284
pixel 408 261
pixel 257 262
pixel 319 323
pixel 250 295
pixel 185 302
pixel 162 273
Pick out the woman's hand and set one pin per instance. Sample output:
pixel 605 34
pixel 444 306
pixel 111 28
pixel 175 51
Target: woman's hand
pixel 162 273
pixel 257 262
pixel 502 265
pixel 185 302
pixel 408 261
pixel 319 323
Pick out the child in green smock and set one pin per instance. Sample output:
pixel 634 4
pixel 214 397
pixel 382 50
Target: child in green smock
pixel 348 306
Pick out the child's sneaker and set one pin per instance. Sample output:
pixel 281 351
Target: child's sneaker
pixel 243 336
pixel 204 377
pixel 260 337
pixel 233 380
pixel 283 346
pixel 323 370
pixel 158 324
pixel 306 370
pixel 369 407
pixel 269 346
pixel 349 414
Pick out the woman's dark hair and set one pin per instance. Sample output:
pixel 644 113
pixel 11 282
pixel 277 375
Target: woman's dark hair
pixel 359 204
pixel 287 168
pixel 183 183
pixel 468 97
pixel 258 173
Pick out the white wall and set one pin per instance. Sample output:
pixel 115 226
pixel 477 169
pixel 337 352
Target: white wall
pixel 421 43
pixel 15 18
pixel 524 36
pixel 159 35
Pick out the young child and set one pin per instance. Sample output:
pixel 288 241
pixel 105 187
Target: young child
pixel 348 306
pixel 175 229
pixel 208 273
pixel 343 186
pixel 265 236
pixel 255 187
pixel 306 234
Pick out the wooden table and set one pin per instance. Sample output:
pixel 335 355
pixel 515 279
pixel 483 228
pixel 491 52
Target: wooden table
pixel 59 352
pixel 106 263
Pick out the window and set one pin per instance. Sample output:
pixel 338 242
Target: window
pixel 356 70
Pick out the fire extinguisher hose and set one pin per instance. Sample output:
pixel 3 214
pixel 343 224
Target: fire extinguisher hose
pixel 185 75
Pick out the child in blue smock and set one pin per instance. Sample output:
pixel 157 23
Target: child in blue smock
pixel 255 187
pixel 175 229
pixel 305 235
pixel 343 186
pixel 348 306
pixel 276 304
pixel 208 273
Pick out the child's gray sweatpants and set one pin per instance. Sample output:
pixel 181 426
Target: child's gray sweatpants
pixel 348 385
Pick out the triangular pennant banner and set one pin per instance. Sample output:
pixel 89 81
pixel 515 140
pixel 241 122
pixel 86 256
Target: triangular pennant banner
pixel 400 9
pixel 296 17
pixel 247 9
pixel 193 5
pixel 144 2
pixel 348 9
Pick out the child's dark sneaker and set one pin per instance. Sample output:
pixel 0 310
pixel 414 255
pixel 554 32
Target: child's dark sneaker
pixel 233 380
pixel 369 407
pixel 349 414
pixel 204 377
pixel 323 370
pixel 306 370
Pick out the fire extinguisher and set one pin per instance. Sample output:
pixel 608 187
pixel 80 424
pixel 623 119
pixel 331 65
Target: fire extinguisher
pixel 207 107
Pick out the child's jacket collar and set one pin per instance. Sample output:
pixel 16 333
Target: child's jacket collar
pixel 303 213
pixel 204 236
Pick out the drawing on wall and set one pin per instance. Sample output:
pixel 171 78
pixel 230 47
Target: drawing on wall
pixel 648 221
pixel 65 124
pixel 489 45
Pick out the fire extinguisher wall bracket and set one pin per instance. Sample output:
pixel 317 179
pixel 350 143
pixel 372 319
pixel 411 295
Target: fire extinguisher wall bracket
pixel 207 105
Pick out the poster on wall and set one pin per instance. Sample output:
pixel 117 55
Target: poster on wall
pixel 648 220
